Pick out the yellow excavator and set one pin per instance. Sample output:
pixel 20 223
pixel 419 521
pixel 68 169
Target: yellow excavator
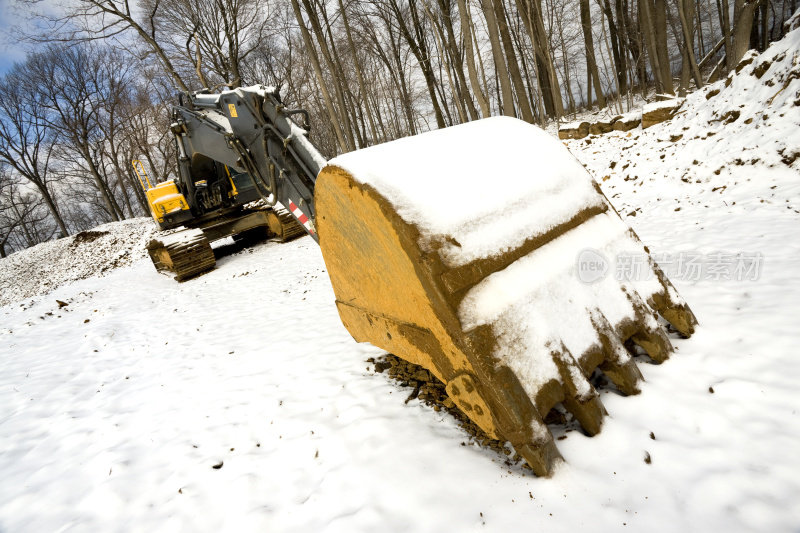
pixel 482 252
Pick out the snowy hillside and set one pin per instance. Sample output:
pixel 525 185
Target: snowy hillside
pixel 238 402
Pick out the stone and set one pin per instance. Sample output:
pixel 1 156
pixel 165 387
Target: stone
pixel 658 112
pixel 601 127
pixel 573 130
pixel 627 122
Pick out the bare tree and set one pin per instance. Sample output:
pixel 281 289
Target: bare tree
pixel 24 218
pixel 92 20
pixel 26 139
pixel 72 83
pixel 214 38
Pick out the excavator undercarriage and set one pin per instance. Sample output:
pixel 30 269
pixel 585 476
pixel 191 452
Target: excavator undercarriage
pixel 188 253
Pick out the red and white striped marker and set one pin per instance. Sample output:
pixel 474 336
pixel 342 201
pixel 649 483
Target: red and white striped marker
pixel 301 217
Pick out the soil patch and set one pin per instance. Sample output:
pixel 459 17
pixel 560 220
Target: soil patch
pixel 87 236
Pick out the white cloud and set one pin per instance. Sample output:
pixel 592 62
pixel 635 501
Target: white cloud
pixel 17 18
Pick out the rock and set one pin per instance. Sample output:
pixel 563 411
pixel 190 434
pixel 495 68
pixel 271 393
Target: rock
pixel 422 375
pixel 658 112
pixel 748 58
pixel 761 69
pixel 730 116
pixel 793 23
pixel 601 127
pixel 627 122
pixel 573 130
pixel 381 366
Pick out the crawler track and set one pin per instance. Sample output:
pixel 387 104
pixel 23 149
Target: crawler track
pixel 284 225
pixel 186 254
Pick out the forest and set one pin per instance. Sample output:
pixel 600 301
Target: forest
pixel 95 89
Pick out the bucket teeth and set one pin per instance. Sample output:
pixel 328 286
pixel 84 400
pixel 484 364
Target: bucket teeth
pixel 511 336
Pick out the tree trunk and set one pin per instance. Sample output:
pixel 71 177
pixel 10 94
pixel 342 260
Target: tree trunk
pixel 469 56
pixel 686 13
pixel 343 115
pixel 102 186
pixel 591 62
pixel 743 16
pixel 457 60
pixel 506 93
pixel 420 51
pixel 660 20
pixel 725 22
pixel 447 59
pixel 512 62
pixel 546 74
pixel 359 75
pixel 648 32
pixel 617 48
pixel 312 55
pixel 701 40
pixel 51 206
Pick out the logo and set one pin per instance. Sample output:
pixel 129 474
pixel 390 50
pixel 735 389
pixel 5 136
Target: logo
pixel 592 266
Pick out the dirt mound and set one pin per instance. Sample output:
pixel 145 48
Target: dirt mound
pixel 43 268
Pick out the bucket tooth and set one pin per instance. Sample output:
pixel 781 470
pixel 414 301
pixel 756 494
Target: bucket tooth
pixel 655 342
pixel 625 376
pixel 580 397
pixel 681 318
pixel 670 306
pixel 543 457
pixel 648 335
pixel 614 359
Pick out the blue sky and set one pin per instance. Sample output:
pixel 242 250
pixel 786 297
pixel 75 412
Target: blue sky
pixel 12 16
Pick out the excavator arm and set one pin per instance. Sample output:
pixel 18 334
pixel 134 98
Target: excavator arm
pixel 250 130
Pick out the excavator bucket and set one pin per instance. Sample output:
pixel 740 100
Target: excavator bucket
pixel 484 253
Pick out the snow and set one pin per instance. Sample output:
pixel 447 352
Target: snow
pixel 573 125
pixel 298 135
pixel 184 235
pixel 518 170
pixel 252 356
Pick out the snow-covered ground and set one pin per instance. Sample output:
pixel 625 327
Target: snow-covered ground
pixel 238 402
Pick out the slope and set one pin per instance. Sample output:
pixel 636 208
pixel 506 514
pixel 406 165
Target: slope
pixel 237 401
